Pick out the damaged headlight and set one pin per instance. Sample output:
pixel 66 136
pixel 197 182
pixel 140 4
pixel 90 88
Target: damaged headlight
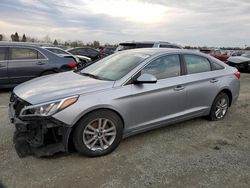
pixel 47 109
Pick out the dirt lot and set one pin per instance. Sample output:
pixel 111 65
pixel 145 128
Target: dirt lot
pixel 195 153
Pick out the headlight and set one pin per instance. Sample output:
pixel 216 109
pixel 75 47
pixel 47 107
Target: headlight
pixel 47 109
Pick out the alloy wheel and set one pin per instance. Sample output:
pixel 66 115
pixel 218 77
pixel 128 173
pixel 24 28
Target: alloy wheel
pixel 221 108
pixel 99 134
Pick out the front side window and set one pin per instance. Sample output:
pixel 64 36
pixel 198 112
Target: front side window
pixel 196 64
pixel 164 67
pixel 25 53
pixel 2 53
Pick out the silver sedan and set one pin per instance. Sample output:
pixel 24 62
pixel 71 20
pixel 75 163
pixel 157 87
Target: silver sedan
pixel 121 95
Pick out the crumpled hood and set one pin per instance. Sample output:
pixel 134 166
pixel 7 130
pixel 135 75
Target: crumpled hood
pixel 238 59
pixel 60 85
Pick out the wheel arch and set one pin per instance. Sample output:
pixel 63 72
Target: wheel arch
pixel 49 70
pixel 229 94
pixel 70 138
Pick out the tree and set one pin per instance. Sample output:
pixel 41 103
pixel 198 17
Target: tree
pixel 15 37
pixel 1 37
pixel 24 38
pixel 55 42
pixel 74 44
pixel 47 39
pixel 96 44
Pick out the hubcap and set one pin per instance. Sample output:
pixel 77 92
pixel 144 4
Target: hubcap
pixel 221 108
pixel 99 134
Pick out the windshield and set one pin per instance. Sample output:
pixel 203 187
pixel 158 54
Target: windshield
pixel 114 67
pixel 246 55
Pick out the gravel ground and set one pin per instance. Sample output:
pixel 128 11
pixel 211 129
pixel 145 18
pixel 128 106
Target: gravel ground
pixel 195 153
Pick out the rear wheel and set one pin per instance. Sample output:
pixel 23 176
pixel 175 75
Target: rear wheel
pixel 220 107
pixel 98 133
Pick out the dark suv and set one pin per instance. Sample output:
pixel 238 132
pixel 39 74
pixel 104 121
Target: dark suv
pixel 132 45
pixel 22 62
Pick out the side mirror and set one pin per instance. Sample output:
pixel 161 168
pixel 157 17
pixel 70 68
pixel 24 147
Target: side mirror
pixel 146 79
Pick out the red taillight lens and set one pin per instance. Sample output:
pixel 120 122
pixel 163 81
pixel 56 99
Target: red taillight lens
pixel 237 74
pixel 72 64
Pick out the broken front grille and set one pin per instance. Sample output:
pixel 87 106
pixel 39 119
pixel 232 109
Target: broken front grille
pixel 18 104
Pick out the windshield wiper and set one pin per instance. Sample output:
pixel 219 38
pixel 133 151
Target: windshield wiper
pixel 92 76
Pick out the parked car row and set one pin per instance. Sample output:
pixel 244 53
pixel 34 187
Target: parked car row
pixel 223 56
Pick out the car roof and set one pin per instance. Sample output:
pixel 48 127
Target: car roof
pixel 21 44
pixel 154 51
pixel 143 42
pixel 81 48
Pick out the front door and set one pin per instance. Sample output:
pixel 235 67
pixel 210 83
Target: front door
pixel 155 103
pixel 25 64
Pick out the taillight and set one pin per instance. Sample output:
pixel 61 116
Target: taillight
pixel 237 74
pixel 72 64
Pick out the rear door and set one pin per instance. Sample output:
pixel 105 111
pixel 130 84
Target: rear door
pixel 202 83
pixel 25 63
pixel 3 66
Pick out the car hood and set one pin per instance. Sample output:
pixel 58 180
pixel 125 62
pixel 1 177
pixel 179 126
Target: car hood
pixel 238 59
pixel 60 85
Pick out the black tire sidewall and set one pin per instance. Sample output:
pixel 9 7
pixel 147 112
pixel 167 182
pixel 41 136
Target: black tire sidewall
pixel 213 109
pixel 80 126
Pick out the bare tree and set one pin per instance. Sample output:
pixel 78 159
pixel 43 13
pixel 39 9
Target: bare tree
pixel 47 39
pixel 15 37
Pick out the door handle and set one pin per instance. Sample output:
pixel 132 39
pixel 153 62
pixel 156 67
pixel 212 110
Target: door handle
pixel 179 88
pixel 214 80
pixel 40 63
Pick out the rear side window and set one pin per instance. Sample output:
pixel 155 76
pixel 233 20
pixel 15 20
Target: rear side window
pixel 144 45
pixel 25 53
pixel 82 51
pixel 74 51
pixel 216 66
pixel 92 52
pixel 164 46
pixel 2 54
pixel 164 67
pixel 196 64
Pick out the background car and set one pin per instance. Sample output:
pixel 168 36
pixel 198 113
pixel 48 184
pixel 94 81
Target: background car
pixel 242 63
pixel 223 56
pixel 82 61
pixel 108 50
pixel 61 52
pixel 124 94
pixel 21 62
pixel 93 54
pixel 133 45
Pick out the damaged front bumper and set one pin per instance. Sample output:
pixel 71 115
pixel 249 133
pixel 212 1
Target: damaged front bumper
pixel 41 136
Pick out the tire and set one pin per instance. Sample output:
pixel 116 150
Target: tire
pixel 104 127
pixel 47 73
pixel 219 108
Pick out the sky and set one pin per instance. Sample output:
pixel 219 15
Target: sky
pixel 186 22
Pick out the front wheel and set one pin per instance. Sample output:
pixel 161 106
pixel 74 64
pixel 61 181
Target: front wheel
pixel 220 107
pixel 98 133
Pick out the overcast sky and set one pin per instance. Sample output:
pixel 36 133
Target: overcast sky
pixel 186 22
